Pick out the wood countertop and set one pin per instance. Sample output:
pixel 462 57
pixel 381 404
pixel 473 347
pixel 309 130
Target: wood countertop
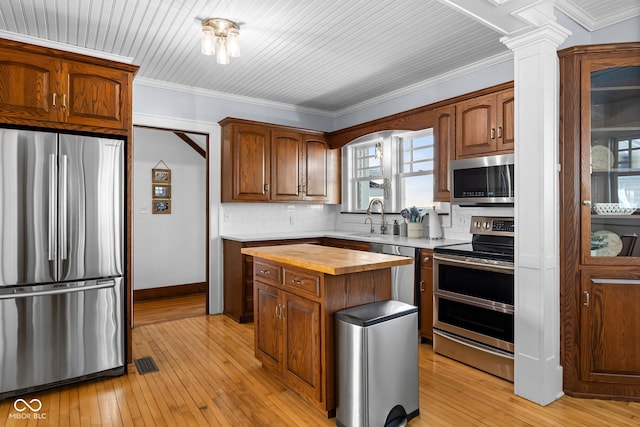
pixel 326 259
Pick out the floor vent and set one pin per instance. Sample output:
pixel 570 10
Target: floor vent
pixel 146 365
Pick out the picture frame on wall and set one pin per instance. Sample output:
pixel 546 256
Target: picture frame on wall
pixel 161 191
pixel 161 176
pixel 161 206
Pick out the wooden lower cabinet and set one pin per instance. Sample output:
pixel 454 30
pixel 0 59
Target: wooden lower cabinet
pixel 346 244
pixel 288 337
pixel 610 329
pixel 426 294
pixel 294 323
pixel 238 276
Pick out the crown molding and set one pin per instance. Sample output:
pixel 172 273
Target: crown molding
pixel 66 47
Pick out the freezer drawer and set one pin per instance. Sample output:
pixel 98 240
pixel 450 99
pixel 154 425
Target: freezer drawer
pixel 51 334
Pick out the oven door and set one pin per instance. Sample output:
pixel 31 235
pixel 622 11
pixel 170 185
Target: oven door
pixel 474 300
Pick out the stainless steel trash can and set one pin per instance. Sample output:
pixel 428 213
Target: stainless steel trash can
pixel 377 364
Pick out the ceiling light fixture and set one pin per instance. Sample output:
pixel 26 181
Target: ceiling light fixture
pixel 220 37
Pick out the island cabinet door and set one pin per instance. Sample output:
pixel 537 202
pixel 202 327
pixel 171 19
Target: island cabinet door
pixel 301 360
pixel 268 326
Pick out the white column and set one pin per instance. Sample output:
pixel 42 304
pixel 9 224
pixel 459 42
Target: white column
pixel 538 374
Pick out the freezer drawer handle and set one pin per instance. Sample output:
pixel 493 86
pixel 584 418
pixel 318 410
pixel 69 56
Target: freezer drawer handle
pixel 102 284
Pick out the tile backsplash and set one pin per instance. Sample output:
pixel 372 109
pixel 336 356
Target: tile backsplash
pixel 260 218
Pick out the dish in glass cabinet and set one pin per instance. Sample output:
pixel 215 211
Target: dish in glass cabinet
pixel 612 243
pixel 601 157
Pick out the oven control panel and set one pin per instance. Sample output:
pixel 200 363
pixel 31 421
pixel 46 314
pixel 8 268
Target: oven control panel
pixel 492 225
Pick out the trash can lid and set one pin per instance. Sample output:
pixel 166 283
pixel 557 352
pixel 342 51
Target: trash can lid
pixel 375 312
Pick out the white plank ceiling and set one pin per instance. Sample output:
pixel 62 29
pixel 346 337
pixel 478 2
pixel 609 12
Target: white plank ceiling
pixel 327 55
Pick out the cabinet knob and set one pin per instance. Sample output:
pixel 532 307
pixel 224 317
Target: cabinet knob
pixel 296 281
pixel 586 202
pixel 265 272
pixel 500 132
pixel 493 133
pixel 426 259
pixel 421 285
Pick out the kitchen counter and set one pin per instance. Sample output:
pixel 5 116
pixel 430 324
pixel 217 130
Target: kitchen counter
pixel 325 259
pixel 362 237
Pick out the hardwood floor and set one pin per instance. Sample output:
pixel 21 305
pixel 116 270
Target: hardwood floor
pixel 209 377
pixel 163 310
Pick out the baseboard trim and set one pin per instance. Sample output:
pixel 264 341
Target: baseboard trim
pixel 169 291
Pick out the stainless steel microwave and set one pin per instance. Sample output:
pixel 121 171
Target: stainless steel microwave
pixel 483 181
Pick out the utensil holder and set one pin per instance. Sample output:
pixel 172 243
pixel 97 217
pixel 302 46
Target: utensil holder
pixel 415 230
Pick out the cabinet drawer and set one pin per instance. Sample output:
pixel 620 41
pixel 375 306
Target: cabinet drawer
pixel 306 282
pixel 267 272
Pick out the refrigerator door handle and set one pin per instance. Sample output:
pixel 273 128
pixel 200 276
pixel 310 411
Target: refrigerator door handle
pixel 53 195
pixel 64 179
pixel 101 284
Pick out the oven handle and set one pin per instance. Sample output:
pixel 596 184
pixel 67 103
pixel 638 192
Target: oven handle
pixel 478 265
pixel 473 344
pixel 477 302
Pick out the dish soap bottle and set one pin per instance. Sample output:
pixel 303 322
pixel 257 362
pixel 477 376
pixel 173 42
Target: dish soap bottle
pixel 396 227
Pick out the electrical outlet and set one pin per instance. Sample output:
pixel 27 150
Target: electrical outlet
pixel 291 220
pixel 226 217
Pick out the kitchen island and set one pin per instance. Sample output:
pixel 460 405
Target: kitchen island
pixel 297 290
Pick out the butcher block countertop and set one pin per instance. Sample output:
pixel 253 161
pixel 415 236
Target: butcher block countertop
pixel 326 259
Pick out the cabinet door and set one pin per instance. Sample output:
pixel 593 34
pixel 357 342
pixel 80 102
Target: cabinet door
pixel 286 161
pixel 95 95
pixel 27 85
pixel 444 133
pixel 610 156
pixel 610 327
pixel 316 168
pixel 301 360
pixel 426 294
pixel 267 325
pixel 505 125
pixel 251 148
pixel 475 126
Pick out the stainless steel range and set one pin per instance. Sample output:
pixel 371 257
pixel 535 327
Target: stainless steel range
pixel 474 297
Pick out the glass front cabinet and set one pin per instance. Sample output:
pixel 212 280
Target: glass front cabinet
pixel 600 220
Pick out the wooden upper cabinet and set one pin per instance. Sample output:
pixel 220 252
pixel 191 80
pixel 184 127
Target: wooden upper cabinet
pixel 262 162
pixel 40 88
pixel 286 165
pixel 26 86
pixel 321 173
pixel 95 96
pixel 246 166
pixel 484 125
pixel 444 133
pixel 505 103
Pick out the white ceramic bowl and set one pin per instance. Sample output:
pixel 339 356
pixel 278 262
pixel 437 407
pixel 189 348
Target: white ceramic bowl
pixel 613 209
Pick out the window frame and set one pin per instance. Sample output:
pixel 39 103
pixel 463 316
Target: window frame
pixel 391 164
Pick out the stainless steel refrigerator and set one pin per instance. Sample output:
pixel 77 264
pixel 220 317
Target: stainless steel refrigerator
pixel 61 259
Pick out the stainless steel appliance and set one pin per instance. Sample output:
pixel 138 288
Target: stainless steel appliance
pixel 61 265
pixel 483 181
pixel 403 285
pixel 474 298
pixel 377 364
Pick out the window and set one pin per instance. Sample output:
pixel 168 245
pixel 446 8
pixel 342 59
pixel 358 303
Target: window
pixel 396 167
pixel 627 184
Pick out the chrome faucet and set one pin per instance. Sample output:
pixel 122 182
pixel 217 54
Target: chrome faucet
pixel 371 230
pixel 383 223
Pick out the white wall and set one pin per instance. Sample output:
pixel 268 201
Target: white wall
pixel 168 249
